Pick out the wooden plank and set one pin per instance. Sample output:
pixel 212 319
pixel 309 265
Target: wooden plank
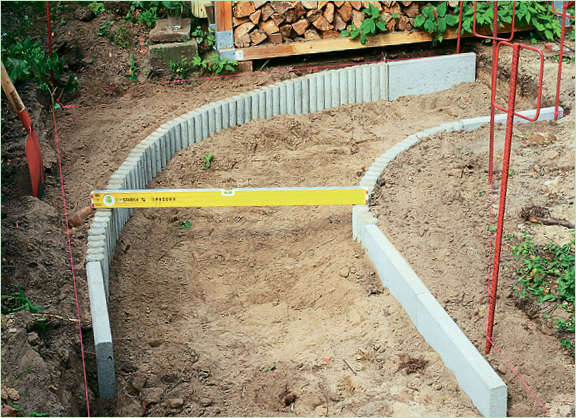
pixel 343 44
pixel 223 16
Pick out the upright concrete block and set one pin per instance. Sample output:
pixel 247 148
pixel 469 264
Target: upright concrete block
pixel 344 86
pixel 428 75
pixel 366 83
pixel 313 89
pixel 288 90
pixel 184 131
pixel 282 98
pixel 232 104
pixel 352 85
pixel 211 119
pixel 359 77
pixel 306 100
pixel 178 132
pixel 375 88
pixel 335 87
pixel 240 109
pixel 205 127
pixel 269 105
pixel 247 107
pixel 320 77
pixel 164 149
pixel 298 95
pixel 225 113
pixel 102 333
pixel 218 116
pixel 275 99
pixel 257 96
pixel 383 75
pixel 328 89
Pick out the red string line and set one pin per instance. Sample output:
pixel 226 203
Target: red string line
pixel 524 383
pixel 71 259
pixel 269 72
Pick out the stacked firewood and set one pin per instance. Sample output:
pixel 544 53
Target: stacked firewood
pixel 256 22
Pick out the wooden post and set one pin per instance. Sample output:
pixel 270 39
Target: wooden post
pixel 223 16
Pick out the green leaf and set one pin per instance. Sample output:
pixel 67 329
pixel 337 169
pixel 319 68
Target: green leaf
pixel 395 16
pixel 440 37
pixel 374 11
pixel 381 25
pixel 441 9
pixel 363 39
pixel 368 27
pixel 549 34
pixel 344 34
pixel 430 26
pixel 428 12
pixel 71 85
pixel 441 24
pixel 451 20
pixel 354 34
pixel 419 21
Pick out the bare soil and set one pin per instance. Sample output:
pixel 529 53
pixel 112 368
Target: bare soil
pixel 248 305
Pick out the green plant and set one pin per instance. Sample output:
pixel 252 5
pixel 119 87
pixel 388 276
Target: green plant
pixel 25 60
pixel 20 301
pixel 435 20
pixel 204 38
pixel 566 343
pixel 182 69
pixel 214 64
pixel 120 37
pixel 547 273
pixel 149 16
pixel 185 224
pixel 103 28
pixel 96 7
pixel 371 24
pixel 132 70
pixel 207 161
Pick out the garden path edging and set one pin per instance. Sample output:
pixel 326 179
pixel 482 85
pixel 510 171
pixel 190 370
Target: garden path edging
pixel 474 375
pixel 308 94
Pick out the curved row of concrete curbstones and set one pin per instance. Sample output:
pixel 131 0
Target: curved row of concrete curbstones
pixel 308 94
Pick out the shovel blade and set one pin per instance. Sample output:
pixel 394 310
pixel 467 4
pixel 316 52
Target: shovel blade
pixel 35 165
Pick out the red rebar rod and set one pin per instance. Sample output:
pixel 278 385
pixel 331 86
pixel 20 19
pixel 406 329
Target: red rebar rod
pixel 503 188
pixel 494 38
pixel 460 4
pixel 50 40
pixel 560 58
pixel 493 93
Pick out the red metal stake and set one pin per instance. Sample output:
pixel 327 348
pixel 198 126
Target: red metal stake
pixel 503 188
pixel 560 58
pixel 50 41
pixel 460 4
pixel 494 38
pixel 493 94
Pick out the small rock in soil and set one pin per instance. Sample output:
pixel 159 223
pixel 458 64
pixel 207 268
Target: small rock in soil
pixel 206 402
pixel 344 272
pixel 151 395
pixel 175 403
pixel 84 14
pixel 502 369
pixel 551 155
pixel 33 338
pixel 138 381
pixel 545 330
pixel 288 399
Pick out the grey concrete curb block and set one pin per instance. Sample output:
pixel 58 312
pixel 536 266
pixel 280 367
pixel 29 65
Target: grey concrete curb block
pixel 475 376
pixel 303 95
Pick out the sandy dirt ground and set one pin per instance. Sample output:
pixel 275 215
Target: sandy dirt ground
pixel 250 305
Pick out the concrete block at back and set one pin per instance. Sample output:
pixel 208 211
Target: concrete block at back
pixel 429 75
pixel 173 52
